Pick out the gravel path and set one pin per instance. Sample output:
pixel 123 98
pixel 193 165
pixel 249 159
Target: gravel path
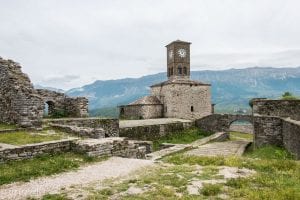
pixel 112 168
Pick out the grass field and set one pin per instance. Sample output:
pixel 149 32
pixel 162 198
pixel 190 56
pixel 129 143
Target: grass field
pixel 27 137
pixel 42 166
pixel 181 137
pixel 7 126
pixel 276 177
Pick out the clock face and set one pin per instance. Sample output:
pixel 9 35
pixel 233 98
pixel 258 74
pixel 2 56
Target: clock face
pixel 170 54
pixel 181 53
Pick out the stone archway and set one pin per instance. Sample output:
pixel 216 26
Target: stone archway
pixel 49 108
pixel 242 126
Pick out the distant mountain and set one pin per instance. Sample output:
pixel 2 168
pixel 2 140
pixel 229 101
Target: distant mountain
pixel 49 88
pixel 231 89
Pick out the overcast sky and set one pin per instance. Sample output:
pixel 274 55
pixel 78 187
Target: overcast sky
pixel 69 43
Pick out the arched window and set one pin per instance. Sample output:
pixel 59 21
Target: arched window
pixel 184 70
pixel 192 108
pixel 179 70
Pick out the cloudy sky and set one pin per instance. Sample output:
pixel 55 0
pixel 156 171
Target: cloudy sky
pixel 68 43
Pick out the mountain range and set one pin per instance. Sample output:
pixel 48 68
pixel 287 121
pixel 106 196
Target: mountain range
pixel 231 89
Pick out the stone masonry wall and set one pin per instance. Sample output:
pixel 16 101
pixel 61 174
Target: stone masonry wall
pixel 33 150
pixel 279 108
pixel 141 111
pixel 19 102
pixel 59 102
pixel 178 100
pixel 291 136
pixel 152 132
pixel 110 126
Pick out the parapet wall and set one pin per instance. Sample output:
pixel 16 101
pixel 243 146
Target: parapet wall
pixel 19 102
pixel 280 108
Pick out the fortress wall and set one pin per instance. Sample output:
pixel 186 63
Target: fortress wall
pixel 19 102
pixel 280 108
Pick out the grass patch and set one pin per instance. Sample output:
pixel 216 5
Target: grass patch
pixel 42 166
pixel 277 177
pixel 4 126
pixel 181 137
pixel 55 197
pixel 26 137
pixel 211 189
pixel 239 136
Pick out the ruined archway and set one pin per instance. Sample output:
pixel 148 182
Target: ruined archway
pixel 49 108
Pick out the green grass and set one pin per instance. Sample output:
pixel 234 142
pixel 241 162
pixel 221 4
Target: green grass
pixel 277 177
pixel 4 126
pixel 211 189
pixel 42 166
pixel 181 137
pixel 26 137
pixel 239 136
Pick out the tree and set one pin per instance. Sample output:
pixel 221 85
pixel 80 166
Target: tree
pixel 288 96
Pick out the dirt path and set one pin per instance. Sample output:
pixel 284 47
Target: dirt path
pixel 112 168
pixel 228 148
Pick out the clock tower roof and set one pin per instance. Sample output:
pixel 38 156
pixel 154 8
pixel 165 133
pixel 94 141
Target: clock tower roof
pixel 179 41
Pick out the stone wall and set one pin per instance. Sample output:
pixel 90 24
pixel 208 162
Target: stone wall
pixel 114 146
pixel 280 108
pixel 141 111
pixel 33 150
pixel 268 131
pixel 291 136
pixel 220 122
pixel 153 132
pixel 59 102
pixel 110 126
pixel 186 101
pixel 19 102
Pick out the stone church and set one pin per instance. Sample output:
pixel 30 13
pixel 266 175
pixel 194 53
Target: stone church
pixel 178 97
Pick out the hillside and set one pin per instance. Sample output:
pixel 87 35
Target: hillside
pixel 231 88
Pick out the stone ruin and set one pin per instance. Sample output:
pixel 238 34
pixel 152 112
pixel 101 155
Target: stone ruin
pixel 21 104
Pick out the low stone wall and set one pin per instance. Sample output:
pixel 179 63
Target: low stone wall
pixel 152 132
pixel 110 126
pixel 33 150
pixel 114 146
pixel 277 131
pixel 279 108
pixel 242 128
pixel 81 131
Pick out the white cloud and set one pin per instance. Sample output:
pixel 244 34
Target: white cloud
pixel 100 39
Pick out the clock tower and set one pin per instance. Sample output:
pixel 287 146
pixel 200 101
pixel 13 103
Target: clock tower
pixel 178 60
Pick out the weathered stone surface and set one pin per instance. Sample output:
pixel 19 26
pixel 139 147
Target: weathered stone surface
pixel 279 108
pixel 153 131
pixel 110 126
pixel 19 102
pixel 81 131
pixel 114 146
pixel 59 102
pixel 32 150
